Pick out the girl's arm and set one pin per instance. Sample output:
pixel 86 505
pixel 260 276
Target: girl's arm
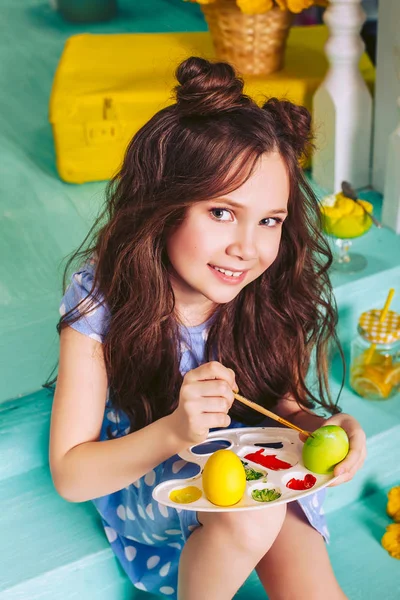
pixel 82 467
pixel 289 409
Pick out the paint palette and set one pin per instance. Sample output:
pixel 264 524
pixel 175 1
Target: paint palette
pixel 275 473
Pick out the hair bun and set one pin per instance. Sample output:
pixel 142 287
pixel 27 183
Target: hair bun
pixel 207 88
pixel 295 122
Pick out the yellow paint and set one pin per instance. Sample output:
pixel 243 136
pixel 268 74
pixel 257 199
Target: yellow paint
pixel 185 495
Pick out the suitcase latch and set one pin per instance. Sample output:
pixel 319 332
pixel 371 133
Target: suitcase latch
pixel 107 130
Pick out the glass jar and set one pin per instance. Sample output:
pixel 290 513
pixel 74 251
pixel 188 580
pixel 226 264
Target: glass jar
pixel 375 356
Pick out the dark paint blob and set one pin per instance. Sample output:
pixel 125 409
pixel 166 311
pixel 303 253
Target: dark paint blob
pixel 275 445
pixel 270 461
pixel 302 484
pixel 209 447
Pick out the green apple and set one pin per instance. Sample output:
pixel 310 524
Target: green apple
pixel 327 447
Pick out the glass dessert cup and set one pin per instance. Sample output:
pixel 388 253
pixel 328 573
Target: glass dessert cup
pixel 344 220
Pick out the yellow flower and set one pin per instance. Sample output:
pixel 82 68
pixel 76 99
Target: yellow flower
pixel 296 6
pixel 255 7
pixel 393 506
pixel 282 4
pixel 391 540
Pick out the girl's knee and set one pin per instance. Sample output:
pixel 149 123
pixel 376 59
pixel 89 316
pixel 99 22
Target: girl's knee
pixel 253 531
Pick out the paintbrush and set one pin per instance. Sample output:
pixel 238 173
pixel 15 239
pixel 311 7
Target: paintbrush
pixel 270 414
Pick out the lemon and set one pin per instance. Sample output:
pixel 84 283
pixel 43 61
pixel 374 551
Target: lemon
pixel 393 376
pixel 370 384
pixel 224 478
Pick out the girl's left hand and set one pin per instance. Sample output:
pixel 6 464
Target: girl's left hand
pixel 358 447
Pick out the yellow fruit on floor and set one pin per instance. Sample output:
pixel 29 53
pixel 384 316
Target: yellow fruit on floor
pixel 391 540
pixel 224 478
pixel 393 505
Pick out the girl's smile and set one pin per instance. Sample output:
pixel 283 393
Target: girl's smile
pixel 228 275
pixel 226 243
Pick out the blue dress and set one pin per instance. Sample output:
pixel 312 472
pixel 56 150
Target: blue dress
pixel 148 537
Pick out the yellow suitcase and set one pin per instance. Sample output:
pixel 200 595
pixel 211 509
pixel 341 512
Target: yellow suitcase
pixel 108 85
pixel 105 88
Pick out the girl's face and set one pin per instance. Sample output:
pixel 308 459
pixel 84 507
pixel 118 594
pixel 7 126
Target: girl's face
pixel 224 244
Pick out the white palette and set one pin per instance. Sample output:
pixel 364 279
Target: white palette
pixel 243 441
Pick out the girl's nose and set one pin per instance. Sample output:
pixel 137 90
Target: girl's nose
pixel 244 245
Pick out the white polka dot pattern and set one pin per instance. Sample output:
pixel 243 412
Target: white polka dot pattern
pixel 147 539
pixel 163 510
pixel 140 586
pixel 111 534
pixel 150 478
pixel 153 562
pixel 121 512
pixel 149 511
pixel 130 514
pixel 159 537
pixel 178 465
pixel 173 531
pixel 130 553
pixel 165 569
pixel 166 589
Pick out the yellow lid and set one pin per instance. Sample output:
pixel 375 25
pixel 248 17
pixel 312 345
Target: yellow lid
pixel 375 332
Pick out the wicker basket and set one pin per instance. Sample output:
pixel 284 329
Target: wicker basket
pixel 254 44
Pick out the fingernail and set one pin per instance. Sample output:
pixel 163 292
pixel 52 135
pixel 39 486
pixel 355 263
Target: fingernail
pixel 341 471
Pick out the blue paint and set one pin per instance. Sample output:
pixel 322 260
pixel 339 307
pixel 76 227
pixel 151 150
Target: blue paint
pixel 209 447
pixel 275 445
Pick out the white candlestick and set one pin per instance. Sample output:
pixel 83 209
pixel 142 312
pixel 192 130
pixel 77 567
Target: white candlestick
pixel 391 193
pixel 387 86
pixel 342 105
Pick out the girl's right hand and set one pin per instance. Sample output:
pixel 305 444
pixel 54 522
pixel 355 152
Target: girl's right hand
pixel 204 401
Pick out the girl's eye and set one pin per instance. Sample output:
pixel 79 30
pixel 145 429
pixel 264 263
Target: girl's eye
pixel 271 222
pixel 221 214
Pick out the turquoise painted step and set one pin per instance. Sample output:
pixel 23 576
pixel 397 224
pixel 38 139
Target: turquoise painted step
pixel 53 550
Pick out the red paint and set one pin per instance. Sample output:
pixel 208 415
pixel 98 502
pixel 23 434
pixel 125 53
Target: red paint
pixel 302 484
pixel 268 460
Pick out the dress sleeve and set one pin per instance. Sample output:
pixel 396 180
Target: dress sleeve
pixel 95 322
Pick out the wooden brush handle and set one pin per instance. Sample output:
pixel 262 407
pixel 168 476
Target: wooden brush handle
pixel 270 414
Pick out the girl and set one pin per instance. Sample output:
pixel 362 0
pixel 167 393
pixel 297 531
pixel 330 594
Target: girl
pixel 209 274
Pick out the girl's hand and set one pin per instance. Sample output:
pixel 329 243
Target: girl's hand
pixel 358 448
pixel 204 401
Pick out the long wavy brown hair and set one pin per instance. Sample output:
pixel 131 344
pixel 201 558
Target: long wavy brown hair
pixel 201 147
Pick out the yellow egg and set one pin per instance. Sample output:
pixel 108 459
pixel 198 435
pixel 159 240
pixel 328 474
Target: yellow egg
pixel 224 478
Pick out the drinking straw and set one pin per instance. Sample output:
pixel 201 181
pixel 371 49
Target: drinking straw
pixel 383 316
